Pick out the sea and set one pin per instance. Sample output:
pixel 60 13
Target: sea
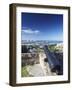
pixel 40 42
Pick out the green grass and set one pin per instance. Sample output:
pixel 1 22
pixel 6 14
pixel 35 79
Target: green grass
pixel 51 47
pixel 24 72
pixel 40 50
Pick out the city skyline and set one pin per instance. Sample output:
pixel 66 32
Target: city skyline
pixel 36 26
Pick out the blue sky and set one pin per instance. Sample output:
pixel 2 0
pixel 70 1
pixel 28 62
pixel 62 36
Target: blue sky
pixel 37 26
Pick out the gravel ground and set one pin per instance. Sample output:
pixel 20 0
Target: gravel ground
pixel 41 69
pixel 35 70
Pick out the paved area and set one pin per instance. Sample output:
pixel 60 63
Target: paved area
pixel 35 70
pixel 45 66
pixel 41 69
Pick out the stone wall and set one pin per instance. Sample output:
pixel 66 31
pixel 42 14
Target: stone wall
pixel 29 58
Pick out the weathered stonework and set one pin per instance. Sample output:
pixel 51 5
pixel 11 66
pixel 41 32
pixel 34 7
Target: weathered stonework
pixel 29 58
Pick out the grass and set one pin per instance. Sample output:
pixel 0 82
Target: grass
pixel 24 72
pixel 40 50
pixel 52 48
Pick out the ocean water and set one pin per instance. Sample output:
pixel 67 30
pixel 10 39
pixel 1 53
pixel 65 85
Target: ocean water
pixel 54 42
pixel 41 42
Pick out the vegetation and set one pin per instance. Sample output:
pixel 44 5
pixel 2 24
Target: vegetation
pixel 40 50
pixel 24 49
pixel 24 72
pixel 52 48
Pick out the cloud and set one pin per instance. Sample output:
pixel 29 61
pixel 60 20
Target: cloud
pixel 30 31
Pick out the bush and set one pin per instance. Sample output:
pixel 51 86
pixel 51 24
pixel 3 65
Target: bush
pixel 24 49
pixel 24 72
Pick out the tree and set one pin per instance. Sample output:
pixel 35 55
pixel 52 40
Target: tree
pixel 24 49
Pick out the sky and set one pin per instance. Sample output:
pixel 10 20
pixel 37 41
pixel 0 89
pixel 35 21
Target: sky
pixel 37 26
